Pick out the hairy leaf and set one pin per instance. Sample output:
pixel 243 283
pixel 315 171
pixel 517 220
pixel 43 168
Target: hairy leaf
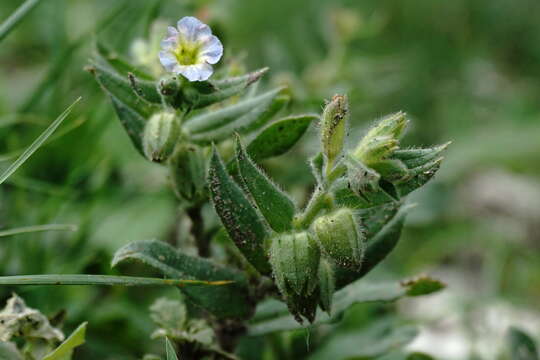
pixel 223 301
pixel 213 120
pixel 377 249
pixel 272 315
pixel 223 89
pixel 241 219
pixel 277 208
pixel 279 137
pixel 131 110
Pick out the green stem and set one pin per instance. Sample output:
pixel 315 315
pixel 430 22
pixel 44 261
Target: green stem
pixel 321 198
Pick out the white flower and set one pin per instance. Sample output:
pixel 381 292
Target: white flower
pixel 190 49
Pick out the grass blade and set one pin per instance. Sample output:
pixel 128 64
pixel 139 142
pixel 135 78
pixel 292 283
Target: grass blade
pixel 38 228
pixel 15 18
pixel 107 280
pixel 37 143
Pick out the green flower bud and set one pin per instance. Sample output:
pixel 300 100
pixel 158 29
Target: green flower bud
pixel 187 168
pixel 382 140
pixel 294 258
pixel 169 86
pixel 340 238
pixel 327 284
pixel 160 135
pixel 334 128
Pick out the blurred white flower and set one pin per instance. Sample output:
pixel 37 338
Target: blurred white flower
pixel 190 49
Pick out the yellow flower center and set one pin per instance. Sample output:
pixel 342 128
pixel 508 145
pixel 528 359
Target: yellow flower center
pixel 187 54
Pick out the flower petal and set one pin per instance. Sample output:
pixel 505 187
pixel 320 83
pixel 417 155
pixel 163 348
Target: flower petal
pixel 199 72
pixel 168 60
pixel 211 50
pixel 171 31
pixel 192 29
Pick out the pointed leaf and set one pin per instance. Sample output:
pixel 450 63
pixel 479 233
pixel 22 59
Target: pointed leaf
pixel 279 137
pixel 243 223
pixel 118 63
pixel 273 315
pixel 377 249
pixel 215 119
pixel 222 301
pixel 419 176
pixel 131 110
pixel 224 89
pixel 277 208
pixel 417 157
pixel 249 122
pixel 169 349
pixel 65 350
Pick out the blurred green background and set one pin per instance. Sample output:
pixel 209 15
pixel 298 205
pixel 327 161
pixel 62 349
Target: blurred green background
pixel 465 71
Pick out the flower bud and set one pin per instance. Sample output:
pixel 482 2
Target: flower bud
pixel 334 128
pixel 160 135
pixel 326 284
pixel 295 258
pixel 382 140
pixel 187 167
pixel 340 238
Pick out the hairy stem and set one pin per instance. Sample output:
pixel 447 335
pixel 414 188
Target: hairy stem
pixel 197 230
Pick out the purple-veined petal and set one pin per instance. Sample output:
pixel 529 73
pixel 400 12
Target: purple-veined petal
pixel 191 28
pixel 211 50
pixel 199 72
pixel 168 60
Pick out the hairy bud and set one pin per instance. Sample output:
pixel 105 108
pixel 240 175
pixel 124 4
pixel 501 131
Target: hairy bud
pixel 334 127
pixel 188 172
pixel 295 259
pixel 327 284
pixel 340 238
pixel 160 135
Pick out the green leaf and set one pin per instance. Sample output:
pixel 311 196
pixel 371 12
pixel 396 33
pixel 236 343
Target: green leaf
pixel 521 345
pixel 279 137
pixel 377 249
pixel 344 196
pixel 376 340
pixel 272 315
pixel 243 223
pixel 277 208
pixel 38 228
pixel 419 177
pixel 108 280
pixel 145 89
pixel 131 111
pixel 417 157
pixel 213 120
pixel 171 353
pixel 247 123
pixel 222 301
pixel 423 285
pixel 223 89
pixel 65 350
pixel 119 64
pixel 16 17
pixel 37 143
